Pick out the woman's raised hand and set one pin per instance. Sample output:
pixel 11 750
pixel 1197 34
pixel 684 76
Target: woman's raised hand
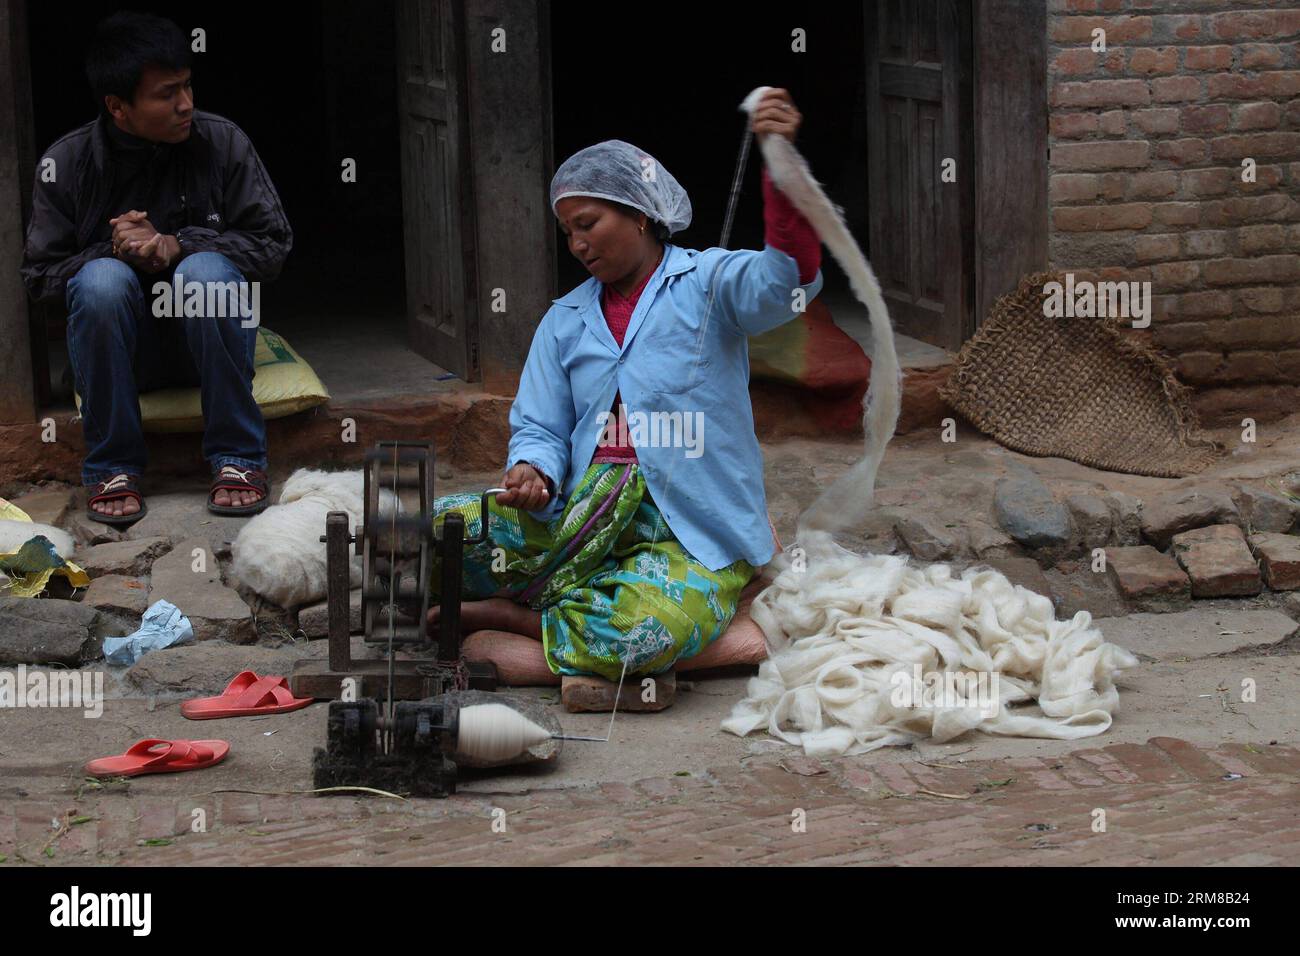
pixel 776 113
pixel 525 488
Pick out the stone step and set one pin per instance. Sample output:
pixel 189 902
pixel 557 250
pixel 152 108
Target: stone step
pixel 1218 561
pixel 467 425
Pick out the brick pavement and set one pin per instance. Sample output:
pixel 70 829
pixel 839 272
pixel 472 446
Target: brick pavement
pixel 1165 802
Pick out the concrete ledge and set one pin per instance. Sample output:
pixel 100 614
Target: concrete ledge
pixel 468 427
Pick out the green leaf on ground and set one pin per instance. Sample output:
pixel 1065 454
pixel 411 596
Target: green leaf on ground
pixel 49 851
pixel 157 841
pixel 1251 748
pixel 77 821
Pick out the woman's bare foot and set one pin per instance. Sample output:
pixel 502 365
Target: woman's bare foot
pixel 494 614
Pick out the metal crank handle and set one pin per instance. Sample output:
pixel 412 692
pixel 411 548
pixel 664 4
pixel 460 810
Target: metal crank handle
pixel 483 513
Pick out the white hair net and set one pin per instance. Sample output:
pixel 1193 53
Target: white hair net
pixel 620 172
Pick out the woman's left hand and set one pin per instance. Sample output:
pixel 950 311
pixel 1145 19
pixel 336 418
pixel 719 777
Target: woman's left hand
pixel 776 113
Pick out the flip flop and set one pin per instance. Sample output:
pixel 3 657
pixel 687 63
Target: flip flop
pixel 119 486
pixel 245 696
pixel 160 756
pixel 230 478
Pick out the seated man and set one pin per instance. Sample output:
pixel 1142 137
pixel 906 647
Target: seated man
pixel 151 190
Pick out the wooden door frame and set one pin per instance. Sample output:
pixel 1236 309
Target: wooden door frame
pixel 17 173
pixel 1011 168
pixel 510 131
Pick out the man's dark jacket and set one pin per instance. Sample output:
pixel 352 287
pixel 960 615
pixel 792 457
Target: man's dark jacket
pixel 227 205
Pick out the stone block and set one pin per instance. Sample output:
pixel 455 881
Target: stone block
pixel 1266 511
pixel 1027 511
pixel 1279 559
pixel 1218 561
pixel 1171 514
pixel 595 694
pixel 48 505
pixel 45 631
pixel 1092 519
pixel 1142 573
pixel 132 558
pixel 928 538
pixel 217 612
pixel 120 593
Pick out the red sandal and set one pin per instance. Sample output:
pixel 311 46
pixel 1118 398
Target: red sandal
pixel 160 756
pixel 230 478
pixel 118 487
pixel 246 695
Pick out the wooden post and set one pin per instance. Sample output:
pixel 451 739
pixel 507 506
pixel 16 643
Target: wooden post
pixel 512 158
pixel 1010 146
pixel 17 404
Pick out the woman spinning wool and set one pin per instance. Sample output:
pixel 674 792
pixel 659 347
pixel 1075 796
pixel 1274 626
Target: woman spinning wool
pixel 635 511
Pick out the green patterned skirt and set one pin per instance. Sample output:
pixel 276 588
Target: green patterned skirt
pixel 612 582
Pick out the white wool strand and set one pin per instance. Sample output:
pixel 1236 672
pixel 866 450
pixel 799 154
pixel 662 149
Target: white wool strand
pixel 842 627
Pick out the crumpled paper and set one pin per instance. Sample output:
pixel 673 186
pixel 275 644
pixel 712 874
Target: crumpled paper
pixel 162 625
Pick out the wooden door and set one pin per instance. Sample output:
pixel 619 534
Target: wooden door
pixel 919 115
pixel 437 185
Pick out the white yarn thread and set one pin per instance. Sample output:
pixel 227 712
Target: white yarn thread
pixel 492 732
pixel 841 625
pixel 849 499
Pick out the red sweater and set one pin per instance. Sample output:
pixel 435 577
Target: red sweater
pixel 785 228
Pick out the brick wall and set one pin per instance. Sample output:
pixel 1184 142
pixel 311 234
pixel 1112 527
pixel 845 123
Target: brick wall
pixel 1147 141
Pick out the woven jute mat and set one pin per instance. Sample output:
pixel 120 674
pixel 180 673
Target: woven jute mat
pixel 1076 388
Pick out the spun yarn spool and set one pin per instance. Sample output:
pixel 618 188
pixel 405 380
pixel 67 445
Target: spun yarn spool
pixel 497 732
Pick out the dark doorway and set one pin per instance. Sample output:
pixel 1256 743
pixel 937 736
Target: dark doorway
pixel 311 85
pixel 673 88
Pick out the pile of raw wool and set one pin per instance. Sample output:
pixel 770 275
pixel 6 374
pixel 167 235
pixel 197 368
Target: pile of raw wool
pixel 279 554
pixel 847 632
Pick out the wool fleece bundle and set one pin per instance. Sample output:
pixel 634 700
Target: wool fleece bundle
pixel 279 554
pixel 867 651
pixel 14 534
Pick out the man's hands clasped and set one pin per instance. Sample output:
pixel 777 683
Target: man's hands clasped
pixel 137 243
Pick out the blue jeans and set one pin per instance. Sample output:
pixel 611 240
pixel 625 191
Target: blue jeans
pixel 119 348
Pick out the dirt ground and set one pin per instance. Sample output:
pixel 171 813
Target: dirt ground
pixel 678 764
